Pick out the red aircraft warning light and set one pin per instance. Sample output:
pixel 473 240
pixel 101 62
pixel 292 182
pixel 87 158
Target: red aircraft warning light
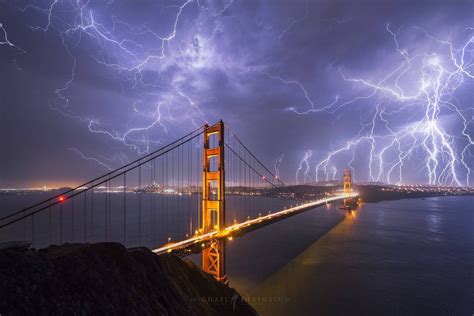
pixel 61 199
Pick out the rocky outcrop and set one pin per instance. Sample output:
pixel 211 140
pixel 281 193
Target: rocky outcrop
pixel 106 279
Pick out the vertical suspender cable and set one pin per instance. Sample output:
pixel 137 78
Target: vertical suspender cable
pixel 72 218
pixel 49 222
pixel 153 192
pixel 85 215
pixel 190 218
pixel 105 211
pixel 60 223
pixel 125 209
pixel 24 226
pixel 178 202
pixel 92 214
pixel 162 184
pixel 140 203
pixel 33 230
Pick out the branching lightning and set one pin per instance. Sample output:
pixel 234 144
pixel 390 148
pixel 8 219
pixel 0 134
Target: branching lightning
pixel 304 168
pixel 4 38
pixel 149 65
pixel 414 117
pixel 103 164
pixel 5 41
pixel 102 160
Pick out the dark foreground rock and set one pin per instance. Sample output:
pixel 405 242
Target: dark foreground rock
pixel 106 279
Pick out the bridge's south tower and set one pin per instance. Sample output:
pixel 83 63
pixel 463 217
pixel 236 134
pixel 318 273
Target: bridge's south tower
pixel 213 199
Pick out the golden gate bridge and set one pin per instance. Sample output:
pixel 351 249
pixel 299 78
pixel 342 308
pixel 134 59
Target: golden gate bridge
pixel 189 196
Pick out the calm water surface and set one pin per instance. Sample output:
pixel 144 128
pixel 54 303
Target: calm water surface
pixel 407 257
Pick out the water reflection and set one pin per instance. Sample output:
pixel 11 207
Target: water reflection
pixel 353 214
pixel 380 261
pixel 380 220
pixel 434 226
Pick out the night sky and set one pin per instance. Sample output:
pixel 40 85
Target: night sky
pixel 382 86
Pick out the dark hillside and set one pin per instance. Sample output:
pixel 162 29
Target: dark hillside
pixel 106 279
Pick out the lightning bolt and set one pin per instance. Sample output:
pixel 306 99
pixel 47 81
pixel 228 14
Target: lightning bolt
pixel 277 164
pixel 103 164
pixel 416 119
pixel 126 137
pixel 334 172
pixel 152 67
pixel 4 41
pixel 118 159
pixel 294 22
pixel 304 163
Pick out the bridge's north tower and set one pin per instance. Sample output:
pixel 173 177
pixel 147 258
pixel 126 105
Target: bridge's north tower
pixel 347 180
pixel 213 200
pixel 347 185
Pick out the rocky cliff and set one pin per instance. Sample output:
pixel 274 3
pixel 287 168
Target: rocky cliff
pixel 106 278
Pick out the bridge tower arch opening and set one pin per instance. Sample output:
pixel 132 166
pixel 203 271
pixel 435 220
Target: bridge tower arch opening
pixel 213 200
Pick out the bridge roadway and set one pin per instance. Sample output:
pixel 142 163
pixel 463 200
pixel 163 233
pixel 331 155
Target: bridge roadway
pixel 195 243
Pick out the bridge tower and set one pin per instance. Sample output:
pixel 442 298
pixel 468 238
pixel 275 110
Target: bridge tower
pixel 347 185
pixel 347 180
pixel 213 200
